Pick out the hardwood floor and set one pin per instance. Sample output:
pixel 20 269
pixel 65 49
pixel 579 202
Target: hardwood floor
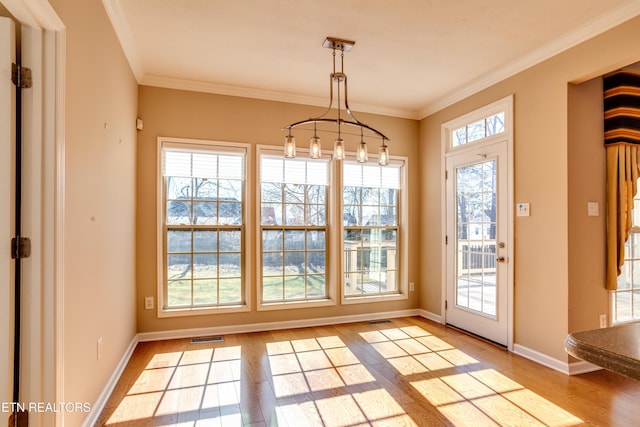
pixel 407 372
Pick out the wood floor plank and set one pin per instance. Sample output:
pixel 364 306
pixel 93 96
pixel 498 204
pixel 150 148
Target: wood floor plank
pixel 407 372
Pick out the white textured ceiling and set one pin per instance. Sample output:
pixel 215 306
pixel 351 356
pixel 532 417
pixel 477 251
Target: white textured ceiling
pixel 411 57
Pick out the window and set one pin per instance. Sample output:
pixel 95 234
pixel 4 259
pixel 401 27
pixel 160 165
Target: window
pixel 490 125
pixel 293 223
pixel 370 229
pixel 202 226
pixel 626 299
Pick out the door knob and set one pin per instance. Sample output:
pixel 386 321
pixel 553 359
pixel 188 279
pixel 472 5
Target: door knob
pixel 501 259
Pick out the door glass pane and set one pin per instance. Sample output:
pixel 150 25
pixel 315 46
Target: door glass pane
pixel 476 200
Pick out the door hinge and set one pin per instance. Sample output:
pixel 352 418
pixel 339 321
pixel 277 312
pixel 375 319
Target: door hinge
pixel 446 240
pixel 20 247
pixel 446 175
pixel 446 304
pixel 21 76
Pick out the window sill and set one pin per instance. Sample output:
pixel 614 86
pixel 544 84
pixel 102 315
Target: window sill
pixel 267 306
pixel 204 311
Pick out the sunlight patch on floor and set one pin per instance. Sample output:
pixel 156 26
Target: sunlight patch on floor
pixel 193 388
pixel 486 397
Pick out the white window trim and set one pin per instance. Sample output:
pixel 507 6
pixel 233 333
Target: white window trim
pixel 332 258
pixel 403 241
pixel 205 145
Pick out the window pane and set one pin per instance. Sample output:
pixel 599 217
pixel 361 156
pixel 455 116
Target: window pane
pixel 205 266
pixel 179 266
pixel 316 262
pixel 294 240
pixel 294 263
pixel 271 192
pixel 229 265
pixel 178 188
pixel 316 215
pixel 316 240
pixel 230 241
pixel 205 213
pixel 272 264
pixel 230 190
pixel 205 189
pixel 316 285
pixel 351 215
pixel 294 193
pixel 179 293
pixel 389 197
pixel 271 240
pixel 294 214
pixel 205 291
pixel 352 195
pixel 495 124
pixel 179 241
pixel 294 287
pixel 230 291
pixel 475 131
pixel 271 214
pixel 459 136
pixel 316 194
pixel 229 213
pixel 272 288
pixel 178 213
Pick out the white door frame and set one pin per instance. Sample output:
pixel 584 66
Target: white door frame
pixel 7 223
pixel 43 41
pixel 505 104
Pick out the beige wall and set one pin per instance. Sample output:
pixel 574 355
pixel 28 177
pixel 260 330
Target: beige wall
pixel 548 178
pixel 185 114
pixel 99 208
pixel 587 182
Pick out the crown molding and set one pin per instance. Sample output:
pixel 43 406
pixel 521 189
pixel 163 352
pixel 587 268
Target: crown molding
pixel 123 33
pixel 559 45
pixel 267 95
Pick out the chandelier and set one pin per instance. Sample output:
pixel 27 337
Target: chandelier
pixel 342 119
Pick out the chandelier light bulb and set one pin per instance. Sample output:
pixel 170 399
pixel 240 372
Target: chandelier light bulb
pixel 338 149
pixel 314 148
pixel 289 146
pixel 383 155
pixel 361 154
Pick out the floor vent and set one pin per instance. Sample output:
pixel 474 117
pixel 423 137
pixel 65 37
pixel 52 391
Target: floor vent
pixel 201 340
pixel 378 322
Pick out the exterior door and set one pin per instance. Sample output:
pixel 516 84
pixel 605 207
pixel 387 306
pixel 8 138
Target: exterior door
pixel 7 183
pixel 477 236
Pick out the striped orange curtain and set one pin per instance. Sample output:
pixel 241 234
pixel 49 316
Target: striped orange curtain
pixel 622 142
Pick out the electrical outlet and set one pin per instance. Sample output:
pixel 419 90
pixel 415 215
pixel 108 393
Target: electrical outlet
pixel 603 320
pixel 99 348
pixel 412 287
pixel 148 303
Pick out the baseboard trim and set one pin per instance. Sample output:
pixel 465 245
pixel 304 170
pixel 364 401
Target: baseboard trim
pixel 582 367
pixel 541 358
pixel 272 326
pixel 98 406
pixel 431 316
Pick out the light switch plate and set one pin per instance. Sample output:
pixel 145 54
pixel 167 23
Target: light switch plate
pixel 522 209
pixel 593 209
